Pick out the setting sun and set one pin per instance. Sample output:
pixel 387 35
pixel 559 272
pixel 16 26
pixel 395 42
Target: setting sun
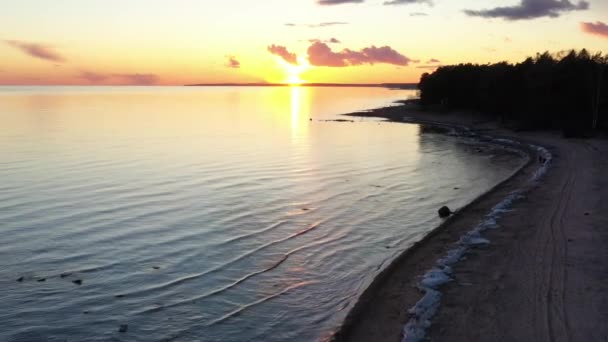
pixel 294 72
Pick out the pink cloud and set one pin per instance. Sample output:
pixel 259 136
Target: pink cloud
pixel 232 62
pixel 36 50
pixel 92 77
pixel 320 54
pixel 138 79
pixel 282 52
pixel 598 28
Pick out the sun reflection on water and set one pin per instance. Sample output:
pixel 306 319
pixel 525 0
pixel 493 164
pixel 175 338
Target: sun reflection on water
pixel 299 110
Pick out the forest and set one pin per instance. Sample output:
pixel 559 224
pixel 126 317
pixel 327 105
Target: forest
pixel 566 90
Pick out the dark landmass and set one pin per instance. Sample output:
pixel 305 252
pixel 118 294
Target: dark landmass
pixel 352 85
pixel 567 91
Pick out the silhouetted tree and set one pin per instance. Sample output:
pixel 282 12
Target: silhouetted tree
pixel 567 90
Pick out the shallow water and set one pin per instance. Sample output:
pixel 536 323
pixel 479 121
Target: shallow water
pixel 232 214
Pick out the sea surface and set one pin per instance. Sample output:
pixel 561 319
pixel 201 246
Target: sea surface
pixel 211 214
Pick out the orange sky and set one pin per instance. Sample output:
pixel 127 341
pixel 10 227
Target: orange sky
pixel 348 41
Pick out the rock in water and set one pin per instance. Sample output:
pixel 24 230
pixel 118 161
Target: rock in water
pixel 77 282
pixel 123 328
pixel 444 212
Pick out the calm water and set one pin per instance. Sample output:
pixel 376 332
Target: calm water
pixel 210 214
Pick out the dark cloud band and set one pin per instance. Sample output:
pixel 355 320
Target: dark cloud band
pixel 531 9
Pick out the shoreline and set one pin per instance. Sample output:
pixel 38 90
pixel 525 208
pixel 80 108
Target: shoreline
pixel 396 296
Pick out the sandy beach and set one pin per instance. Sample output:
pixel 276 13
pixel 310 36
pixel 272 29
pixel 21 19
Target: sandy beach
pixel 542 277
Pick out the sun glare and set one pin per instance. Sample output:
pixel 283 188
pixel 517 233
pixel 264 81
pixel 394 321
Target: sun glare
pixel 294 72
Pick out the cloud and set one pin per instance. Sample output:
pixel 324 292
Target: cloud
pixel 36 50
pixel 232 62
pixel 329 41
pixel 138 79
pixel 323 24
pixel 531 9
pixel 390 2
pixel 428 67
pixel 320 54
pixel 598 28
pixel 282 52
pixel 338 2
pixel 131 79
pixel 433 60
pixel 418 14
pixel 93 77
pixel 407 2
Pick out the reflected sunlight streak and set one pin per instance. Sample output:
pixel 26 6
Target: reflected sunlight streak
pixel 295 107
pixel 299 110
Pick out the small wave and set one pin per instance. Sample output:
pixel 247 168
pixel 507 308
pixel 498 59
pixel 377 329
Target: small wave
pixel 257 232
pixel 223 266
pixel 282 259
pixel 258 302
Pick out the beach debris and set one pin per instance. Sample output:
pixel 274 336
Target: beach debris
pixel 123 328
pixel 20 279
pixel 444 212
pixel 77 282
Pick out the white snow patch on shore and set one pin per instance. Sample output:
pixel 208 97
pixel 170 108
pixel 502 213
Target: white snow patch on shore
pixel 426 308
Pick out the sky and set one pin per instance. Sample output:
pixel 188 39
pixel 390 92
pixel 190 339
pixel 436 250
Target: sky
pixel 175 42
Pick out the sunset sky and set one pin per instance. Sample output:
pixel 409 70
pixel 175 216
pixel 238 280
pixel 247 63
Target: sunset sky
pixel 349 41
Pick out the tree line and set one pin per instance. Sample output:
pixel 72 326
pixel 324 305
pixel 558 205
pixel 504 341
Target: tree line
pixel 567 90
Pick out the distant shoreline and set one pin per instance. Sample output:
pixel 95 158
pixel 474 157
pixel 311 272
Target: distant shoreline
pixel 408 86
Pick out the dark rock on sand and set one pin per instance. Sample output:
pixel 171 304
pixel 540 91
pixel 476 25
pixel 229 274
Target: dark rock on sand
pixel 444 212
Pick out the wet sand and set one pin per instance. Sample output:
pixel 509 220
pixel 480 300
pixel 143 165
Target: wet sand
pixel 544 275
